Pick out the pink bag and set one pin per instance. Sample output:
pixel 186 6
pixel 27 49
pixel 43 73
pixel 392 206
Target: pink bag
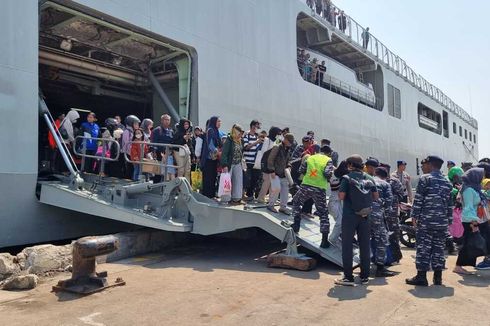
pixel 224 189
pixel 456 228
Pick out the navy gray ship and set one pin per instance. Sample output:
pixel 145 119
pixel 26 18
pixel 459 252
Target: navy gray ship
pixel 194 59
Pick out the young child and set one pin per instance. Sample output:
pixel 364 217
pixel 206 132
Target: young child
pixel 136 154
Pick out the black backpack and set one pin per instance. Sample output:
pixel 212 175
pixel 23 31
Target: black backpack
pixel 263 161
pixel 360 195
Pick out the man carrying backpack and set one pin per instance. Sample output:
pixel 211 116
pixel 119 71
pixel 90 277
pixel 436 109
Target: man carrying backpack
pixel 316 170
pixel 432 210
pixel 357 191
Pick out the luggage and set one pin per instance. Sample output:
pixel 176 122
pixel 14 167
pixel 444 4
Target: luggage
pixel 456 228
pixel 275 185
pixel 263 161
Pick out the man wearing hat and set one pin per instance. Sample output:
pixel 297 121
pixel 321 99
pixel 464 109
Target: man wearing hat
pixel 316 170
pixel 404 178
pixel 393 218
pixel 381 207
pixel 432 210
pixel 450 164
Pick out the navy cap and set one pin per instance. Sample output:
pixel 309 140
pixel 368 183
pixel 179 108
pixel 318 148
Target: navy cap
pixel 371 161
pixel 398 163
pixel 451 162
pixel 484 160
pixel 385 165
pixel 306 138
pixel 434 158
pixel 424 161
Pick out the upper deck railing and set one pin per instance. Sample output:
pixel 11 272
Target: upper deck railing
pixel 357 34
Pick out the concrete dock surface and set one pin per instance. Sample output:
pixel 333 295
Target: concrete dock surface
pixel 226 282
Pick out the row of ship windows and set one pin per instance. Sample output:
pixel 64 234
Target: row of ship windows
pixel 428 118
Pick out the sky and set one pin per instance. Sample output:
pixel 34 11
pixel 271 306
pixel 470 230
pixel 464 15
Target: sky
pixel 445 41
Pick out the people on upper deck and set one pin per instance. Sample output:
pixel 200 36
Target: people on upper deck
pixel 365 38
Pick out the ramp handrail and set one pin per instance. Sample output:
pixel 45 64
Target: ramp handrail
pixel 164 149
pixel 105 149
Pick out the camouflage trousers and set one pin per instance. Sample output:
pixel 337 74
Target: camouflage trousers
pixel 319 197
pixel 393 225
pixel 379 234
pixel 430 249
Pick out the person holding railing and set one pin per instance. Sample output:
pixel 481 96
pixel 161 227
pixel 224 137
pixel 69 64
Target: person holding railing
pixel 342 19
pixel 138 152
pixel 132 123
pixel 162 134
pixel 365 38
pixel 90 129
pixel 183 137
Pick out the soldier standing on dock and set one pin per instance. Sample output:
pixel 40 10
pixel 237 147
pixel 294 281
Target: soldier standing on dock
pixel 432 211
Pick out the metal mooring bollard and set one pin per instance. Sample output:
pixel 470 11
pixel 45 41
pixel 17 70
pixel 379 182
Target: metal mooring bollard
pixel 84 278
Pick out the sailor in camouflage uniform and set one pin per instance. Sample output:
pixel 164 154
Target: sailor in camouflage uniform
pixel 316 170
pixel 393 218
pixel 380 209
pixel 432 211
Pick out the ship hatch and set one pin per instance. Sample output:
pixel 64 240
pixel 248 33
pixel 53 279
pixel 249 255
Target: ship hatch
pixel 88 62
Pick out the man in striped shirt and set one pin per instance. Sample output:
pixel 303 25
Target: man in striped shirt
pixel 251 142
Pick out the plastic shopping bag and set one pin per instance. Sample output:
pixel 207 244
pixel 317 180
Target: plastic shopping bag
pixel 275 185
pixel 196 179
pixel 456 228
pixel 224 189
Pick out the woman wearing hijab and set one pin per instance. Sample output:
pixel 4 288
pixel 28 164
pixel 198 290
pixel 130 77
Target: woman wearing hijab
pixel 209 157
pixel 472 197
pixel 269 142
pixel 231 161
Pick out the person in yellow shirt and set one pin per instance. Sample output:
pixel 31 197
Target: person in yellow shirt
pixel 317 169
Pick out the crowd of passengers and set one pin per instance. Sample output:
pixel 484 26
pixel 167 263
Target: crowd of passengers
pixel 266 167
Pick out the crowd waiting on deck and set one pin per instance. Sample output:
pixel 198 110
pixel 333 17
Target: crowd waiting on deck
pixel 253 165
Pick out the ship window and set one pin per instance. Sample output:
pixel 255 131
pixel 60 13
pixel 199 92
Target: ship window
pixel 474 138
pixel 454 128
pixel 445 124
pixel 461 131
pixel 465 134
pixel 429 119
pixel 471 136
pixel 394 102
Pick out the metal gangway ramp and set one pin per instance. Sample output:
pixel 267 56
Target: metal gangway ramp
pixel 173 206
pixel 170 205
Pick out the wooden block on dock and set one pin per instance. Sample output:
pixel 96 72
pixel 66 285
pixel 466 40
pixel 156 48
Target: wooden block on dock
pixel 280 260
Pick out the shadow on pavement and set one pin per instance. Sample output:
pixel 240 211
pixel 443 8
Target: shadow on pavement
pixel 432 292
pixel 480 280
pixel 348 293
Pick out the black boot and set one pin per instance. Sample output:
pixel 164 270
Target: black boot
pixel 437 280
pixel 420 279
pixel 325 243
pixel 381 271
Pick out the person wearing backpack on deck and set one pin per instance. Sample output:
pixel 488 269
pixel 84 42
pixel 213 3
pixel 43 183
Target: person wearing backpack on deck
pixel 317 169
pixel 432 211
pixel 357 191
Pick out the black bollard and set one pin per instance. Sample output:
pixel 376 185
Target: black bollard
pixel 85 279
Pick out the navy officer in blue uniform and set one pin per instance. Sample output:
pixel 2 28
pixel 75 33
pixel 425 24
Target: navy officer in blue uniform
pixel 431 212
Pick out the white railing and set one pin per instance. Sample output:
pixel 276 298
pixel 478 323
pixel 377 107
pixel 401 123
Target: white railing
pixel 357 34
